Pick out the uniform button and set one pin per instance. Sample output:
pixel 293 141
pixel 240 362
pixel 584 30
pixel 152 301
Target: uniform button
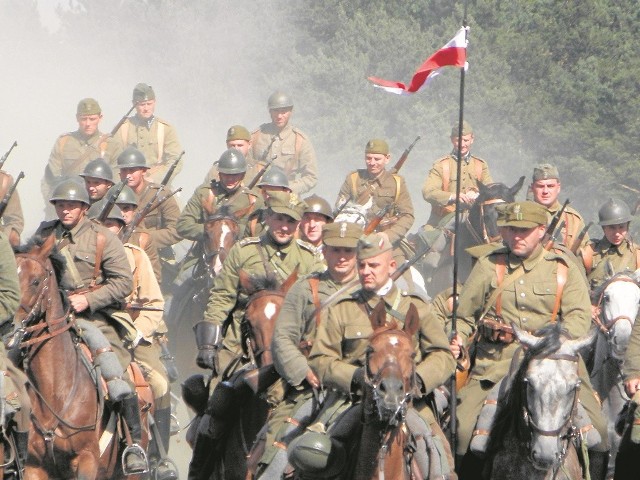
pixel 522 295
pixel 524 320
pixel 522 308
pixel 548 290
pixel 521 282
pixel 359 333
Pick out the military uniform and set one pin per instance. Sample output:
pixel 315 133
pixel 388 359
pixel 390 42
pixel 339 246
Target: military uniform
pixel 528 301
pixel 12 222
pixel 161 222
pixel 441 183
pixel 142 238
pixel 623 258
pixel 385 189
pixel 113 282
pixel 156 139
pixel 572 227
pixel 294 154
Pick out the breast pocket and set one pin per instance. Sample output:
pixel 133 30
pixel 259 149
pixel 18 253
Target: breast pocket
pixel 355 340
pixel 545 295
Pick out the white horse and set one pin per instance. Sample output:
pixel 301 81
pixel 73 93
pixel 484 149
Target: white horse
pixel 619 303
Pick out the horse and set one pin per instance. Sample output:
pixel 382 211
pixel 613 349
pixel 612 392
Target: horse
pixel 68 412
pixel 533 436
pixel 250 408
pixel 477 226
pixel 619 301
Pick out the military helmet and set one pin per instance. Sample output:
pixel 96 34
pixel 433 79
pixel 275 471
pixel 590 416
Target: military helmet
pixel 317 204
pixel 127 196
pixel 274 177
pixel 315 453
pixel 114 214
pixel 614 212
pixel 98 168
pixel 71 189
pixel 131 157
pixel 279 100
pixel 232 162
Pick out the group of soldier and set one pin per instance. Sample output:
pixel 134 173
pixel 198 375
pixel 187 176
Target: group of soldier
pixel 116 220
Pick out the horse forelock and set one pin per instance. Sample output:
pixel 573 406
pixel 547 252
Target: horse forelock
pixel 58 261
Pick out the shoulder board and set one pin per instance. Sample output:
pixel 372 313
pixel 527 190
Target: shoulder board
pixel 68 134
pixel 306 246
pixel 502 249
pixel 249 241
pixel 133 247
pixel 556 254
pixel 160 120
pixel 483 249
pixel 479 159
pixel 573 211
pixel 442 159
pixel 422 295
pixel 246 191
pixel 298 132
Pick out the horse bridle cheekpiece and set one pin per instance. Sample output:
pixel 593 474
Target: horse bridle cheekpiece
pixel 606 326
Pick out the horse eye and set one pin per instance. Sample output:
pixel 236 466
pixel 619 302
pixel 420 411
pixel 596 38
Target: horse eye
pixel 35 282
pixel 605 298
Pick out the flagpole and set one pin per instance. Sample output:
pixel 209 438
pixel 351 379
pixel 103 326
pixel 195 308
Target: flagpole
pixel 456 244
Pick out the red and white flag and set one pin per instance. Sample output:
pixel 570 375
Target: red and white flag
pixel 453 54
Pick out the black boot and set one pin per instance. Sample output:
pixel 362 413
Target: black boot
pixel 202 461
pixel 598 465
pixel 164 468
pixel 134 460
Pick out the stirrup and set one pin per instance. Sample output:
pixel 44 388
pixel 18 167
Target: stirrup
pixel 137 450
pixel 171 470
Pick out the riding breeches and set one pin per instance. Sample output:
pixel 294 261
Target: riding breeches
pixel 147 355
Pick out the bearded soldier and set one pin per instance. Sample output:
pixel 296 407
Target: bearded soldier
pixel 292 149
pixel 520 283
pixel 439 189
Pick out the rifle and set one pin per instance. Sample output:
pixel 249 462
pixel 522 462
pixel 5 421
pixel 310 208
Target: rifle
pixel 167 177
pixel 140 214
pixel 7 196
pixel 404 156
pixel 254 181
pixel 6 155
pixel 580 237
pixel 345 202
pixel 375 221
pixel 548 238
pixel 114 193
pixel 122 120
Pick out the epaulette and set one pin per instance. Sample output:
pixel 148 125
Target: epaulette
pixel 249 241
pixel 502 249
pixel 557 254
pixel 442 159
pixel 133 247
pixel 483 249
pixel 298 132
pixel 306 246
pixel 160 120
pixel 478 158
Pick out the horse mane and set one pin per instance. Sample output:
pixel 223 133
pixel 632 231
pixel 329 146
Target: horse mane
pixel 600 289
pixel 58 262
pixel 222 212
pixel 508 418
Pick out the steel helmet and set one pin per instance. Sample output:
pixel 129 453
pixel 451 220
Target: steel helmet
pixel 316 453
pixel 131 157
pixel 127 196
pixel 317 204
pixel 274 177
pixel 614 212
pixel 232 162
pixel 71 189
pixel 279 100
pixel 98 168
pixel 114 214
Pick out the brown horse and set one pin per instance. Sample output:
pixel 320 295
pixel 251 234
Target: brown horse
pixel 390 383
pixel 68 412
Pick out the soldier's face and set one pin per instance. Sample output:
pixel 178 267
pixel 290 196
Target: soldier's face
pixel 96 187
pixel 341 262
pixel 281 227
pixel 241 145
pixel 376 162
pixel 133 176
pixel 545 192
pixel 145 109
pixel 616 233
pixel 524 241
pixel 311 227
pixel 70 212
pixel 374 272
pixel 465 146
pixel 88 124
pixel 231 181
pixel 280 116
pixel 128 212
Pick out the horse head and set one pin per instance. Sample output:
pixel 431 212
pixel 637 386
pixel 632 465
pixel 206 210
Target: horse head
pixel 390 363
pixel 262 308
pixel 547 385
pixel 220 233
pixel 619 301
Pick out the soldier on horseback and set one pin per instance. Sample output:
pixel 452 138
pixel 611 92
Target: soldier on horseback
pixel 98 179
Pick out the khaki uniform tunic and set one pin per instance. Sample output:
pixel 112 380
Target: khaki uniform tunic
pixel 433 188
pixel 12 222
pixel 631 365
pixel 528 302
pixel 141 238
pixel 295 155
pixel 161 222
pixel 573 225
pixel 156 139
pixel 622 258
pixel 385 190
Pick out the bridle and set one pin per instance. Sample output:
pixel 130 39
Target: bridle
pixel 606 326
pixel 484 236
pixel 253 351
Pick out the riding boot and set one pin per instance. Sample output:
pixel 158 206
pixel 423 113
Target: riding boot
pixel 598 464
pixel 200 466
pixel 471 467
pixel 134 459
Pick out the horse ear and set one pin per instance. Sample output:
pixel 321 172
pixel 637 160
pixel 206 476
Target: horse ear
pixel 608 270
pixel 47 247
pixel 571 347
pixel 516 188
pixel 245 281
pixel 525 338
pixel 411 320
pixel 291 279
pixel 482 189
pixel 378 317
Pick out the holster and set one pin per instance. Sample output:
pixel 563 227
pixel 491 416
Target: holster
pixel 494 330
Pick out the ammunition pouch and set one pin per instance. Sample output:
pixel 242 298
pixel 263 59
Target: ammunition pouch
pixel 494 330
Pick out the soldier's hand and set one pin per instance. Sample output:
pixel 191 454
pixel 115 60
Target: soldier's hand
pixel 208 358
pixel 455 345
pixel 78 302
pixel 631 386
pixel 312 379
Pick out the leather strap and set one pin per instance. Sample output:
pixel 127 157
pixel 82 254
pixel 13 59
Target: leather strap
pixel 587 258
pixel 561 280
pixel 314 282
pixel 501 268
pixel 101 240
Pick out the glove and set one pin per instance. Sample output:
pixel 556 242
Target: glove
pixel 208 339
pixel 208 358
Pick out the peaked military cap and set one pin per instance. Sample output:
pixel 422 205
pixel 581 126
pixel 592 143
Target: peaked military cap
pixel 545 171
pixel 377 145
pixel 287 204
pixel 88 106
pixel 525 214
pixel 372 245
pixel 143 92
pixel 341 234
pixel 238 132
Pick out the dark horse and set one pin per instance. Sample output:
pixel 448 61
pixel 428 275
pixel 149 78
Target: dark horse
pixel 534 434
pixel 477 227
pixel 68 413
pixel 247 414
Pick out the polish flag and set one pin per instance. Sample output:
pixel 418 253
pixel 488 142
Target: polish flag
pixel 453 54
